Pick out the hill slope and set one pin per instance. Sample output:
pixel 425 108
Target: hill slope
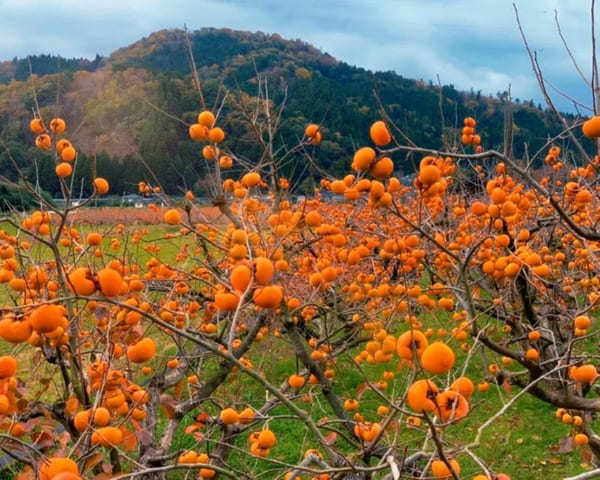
pixel 105 102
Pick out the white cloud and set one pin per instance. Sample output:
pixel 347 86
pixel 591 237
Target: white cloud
pixel 471 44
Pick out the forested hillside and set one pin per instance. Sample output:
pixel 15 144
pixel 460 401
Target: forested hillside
pixel 107 105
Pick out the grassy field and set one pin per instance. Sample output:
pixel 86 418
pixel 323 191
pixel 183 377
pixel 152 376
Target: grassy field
pixel 523 442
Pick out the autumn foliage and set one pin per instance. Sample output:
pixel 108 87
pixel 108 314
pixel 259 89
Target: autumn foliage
pixel 374 323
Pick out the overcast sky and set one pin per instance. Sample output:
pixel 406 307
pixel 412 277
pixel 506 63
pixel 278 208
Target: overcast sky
pixel 470 44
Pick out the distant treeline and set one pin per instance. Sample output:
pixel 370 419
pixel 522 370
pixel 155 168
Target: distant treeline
pixel 338 96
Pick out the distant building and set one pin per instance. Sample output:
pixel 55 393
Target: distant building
pixel 134 199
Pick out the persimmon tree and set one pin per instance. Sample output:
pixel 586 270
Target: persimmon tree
pixel 363 325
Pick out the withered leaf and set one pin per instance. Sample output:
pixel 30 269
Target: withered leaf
pixel 144 436
pixel 92 461
pixel 586 454
pixel 129 439
pixel 565 445
pixel 330 438
pixel 26 474
pixel 360 389
pixel 192 428
pixel 72 405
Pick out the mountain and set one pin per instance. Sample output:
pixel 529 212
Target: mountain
pixel 109 104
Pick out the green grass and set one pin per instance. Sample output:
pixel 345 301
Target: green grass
pixel 522 442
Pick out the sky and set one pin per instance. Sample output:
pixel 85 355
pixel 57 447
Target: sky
pixel 469 44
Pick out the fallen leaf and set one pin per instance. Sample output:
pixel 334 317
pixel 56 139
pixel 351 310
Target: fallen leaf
pixel 192 428
pixel 330 438
pixel 26 474
pixel 322 421
pixel 168 405
pixel 360 389
pixel 92 461
pixel 144 436
pixel 565 445
pixel 129 439
pixel 586 454
pixel 72 405
pixel 107 467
